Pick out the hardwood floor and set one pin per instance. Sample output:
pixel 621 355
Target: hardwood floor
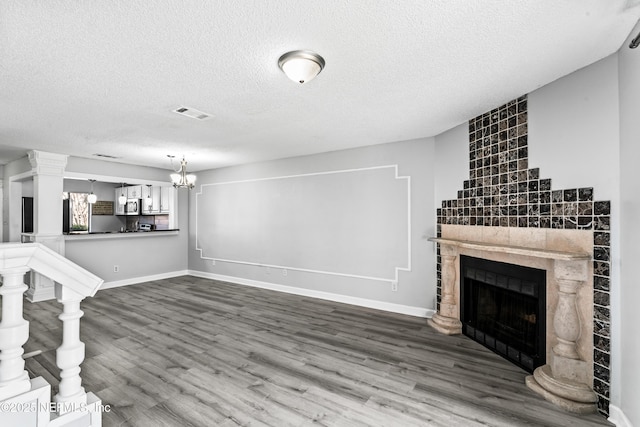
pixel 196 352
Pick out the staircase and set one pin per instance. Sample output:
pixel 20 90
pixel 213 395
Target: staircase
pixel 24 401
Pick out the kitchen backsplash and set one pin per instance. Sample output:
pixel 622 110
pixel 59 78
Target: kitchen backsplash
pixel 503 192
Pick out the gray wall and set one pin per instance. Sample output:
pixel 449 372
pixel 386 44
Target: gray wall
pixel 574 137
pixel 628 393
pixel 452 165
pixel 369 202
pixel 137 257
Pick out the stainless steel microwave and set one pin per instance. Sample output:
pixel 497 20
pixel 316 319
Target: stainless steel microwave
pixel 132 207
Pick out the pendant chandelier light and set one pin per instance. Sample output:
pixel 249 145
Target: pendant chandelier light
pixel 92 198
pixel 301 66
pixel 181 179
pixel 148 201
pixel 122 200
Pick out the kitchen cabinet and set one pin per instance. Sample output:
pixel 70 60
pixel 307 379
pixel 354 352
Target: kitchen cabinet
pixel 166 202
pixel 154 194
pixel 134 192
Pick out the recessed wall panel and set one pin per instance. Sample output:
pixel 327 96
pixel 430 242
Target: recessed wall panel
pixel 352 222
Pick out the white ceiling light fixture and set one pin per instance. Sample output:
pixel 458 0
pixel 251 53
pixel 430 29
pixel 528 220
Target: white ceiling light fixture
pixel 122 200
pixel 92 198
pixel 148 201
pixel 181 179
pixel 301 66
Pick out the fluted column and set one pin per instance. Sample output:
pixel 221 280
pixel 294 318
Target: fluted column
pixel 70 354
pixel 14 333
pixel 447 319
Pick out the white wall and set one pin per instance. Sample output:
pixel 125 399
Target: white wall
pixel 627 394
pixel 416 288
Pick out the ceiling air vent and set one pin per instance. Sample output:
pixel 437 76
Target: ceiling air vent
pixel 106 156
pixel 193 113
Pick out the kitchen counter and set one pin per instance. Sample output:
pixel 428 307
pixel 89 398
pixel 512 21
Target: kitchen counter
pixel 120 234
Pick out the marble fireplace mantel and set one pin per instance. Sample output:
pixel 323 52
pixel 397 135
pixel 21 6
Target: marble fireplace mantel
pixel 567 377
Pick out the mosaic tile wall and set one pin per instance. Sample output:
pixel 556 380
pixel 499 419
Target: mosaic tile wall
pixel 503 192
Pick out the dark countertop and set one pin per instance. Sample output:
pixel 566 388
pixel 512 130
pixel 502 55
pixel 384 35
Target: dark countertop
pixel 119 234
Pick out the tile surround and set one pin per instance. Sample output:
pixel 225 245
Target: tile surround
pixel 502 191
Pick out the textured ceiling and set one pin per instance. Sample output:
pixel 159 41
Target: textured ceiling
pixel 87 77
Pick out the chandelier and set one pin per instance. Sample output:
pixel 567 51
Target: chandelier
pixel 181 179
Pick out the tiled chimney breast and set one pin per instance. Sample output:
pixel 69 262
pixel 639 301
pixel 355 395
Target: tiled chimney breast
pixel 503 192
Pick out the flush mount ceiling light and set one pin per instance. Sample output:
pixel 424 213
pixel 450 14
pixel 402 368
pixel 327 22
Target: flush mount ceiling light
pixel 181 179
pixel 92 198
pixel 301 66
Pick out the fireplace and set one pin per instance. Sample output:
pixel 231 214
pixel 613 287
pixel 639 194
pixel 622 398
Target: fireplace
pixel 564 372
pixel 503 307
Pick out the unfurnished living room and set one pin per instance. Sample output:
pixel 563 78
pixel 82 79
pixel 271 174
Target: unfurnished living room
pixel 382 213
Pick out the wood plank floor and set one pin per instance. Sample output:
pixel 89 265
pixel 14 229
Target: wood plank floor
pixel 197 352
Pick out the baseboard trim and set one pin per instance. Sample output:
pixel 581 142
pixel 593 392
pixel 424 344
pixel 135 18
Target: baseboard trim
pixel 362 302
pixel 617 417
pixel 141 279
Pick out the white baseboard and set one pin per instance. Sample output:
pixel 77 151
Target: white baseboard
pixel 141 279
pixel 617 417
pixel 362 302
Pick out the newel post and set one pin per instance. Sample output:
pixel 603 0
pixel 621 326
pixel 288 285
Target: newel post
pixel 70 354
pixel 14 333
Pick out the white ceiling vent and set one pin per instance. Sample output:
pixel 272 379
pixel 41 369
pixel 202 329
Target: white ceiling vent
pixel 193 113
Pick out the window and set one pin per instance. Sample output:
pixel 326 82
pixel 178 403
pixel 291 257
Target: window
pixel 79 216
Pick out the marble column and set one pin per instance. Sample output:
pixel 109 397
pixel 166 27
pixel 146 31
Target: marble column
pixel 565 379
pixel 447 319
pixel 48 181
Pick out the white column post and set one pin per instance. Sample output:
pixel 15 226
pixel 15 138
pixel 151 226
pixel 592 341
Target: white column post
pixel 48 184
pixel 14 333
pixel 70 354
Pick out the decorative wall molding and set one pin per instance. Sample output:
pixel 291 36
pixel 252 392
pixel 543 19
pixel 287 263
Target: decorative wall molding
pixel 345 299
pixel 43 163
pixel 391 278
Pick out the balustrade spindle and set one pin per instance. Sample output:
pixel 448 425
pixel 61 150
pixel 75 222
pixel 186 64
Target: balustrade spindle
pixel 14 333
pixel 70 354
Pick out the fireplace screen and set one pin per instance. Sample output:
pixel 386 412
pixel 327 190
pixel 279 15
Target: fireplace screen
pixel 503 307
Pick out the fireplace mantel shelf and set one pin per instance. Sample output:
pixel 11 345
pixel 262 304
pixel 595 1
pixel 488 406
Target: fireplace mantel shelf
pixel 515 250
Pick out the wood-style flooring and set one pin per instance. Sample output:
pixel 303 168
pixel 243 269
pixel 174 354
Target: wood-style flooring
pixel 195 352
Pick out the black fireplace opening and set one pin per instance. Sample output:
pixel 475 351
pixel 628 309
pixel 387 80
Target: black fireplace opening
pixel 503 307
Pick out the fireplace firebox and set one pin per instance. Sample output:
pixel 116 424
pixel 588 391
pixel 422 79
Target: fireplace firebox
pixel 503 307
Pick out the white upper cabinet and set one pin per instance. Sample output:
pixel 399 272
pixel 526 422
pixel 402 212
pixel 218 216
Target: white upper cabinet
pixel 134 192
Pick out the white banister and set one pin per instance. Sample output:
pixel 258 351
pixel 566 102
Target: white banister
pixel 72 284
pixel 14 333
pixel 70 354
